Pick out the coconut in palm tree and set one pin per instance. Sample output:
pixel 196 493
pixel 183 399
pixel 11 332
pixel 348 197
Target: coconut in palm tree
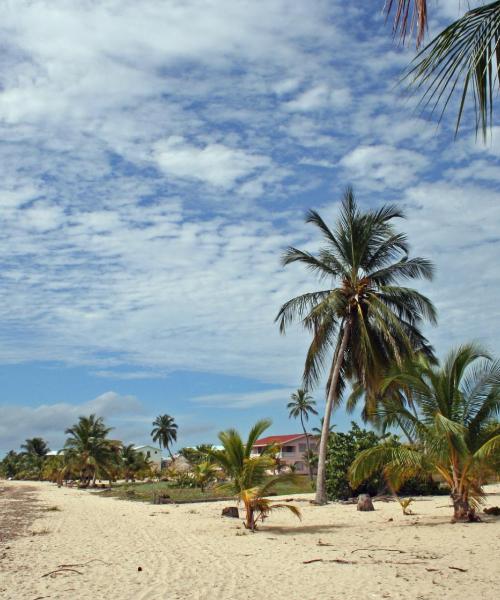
pixel 364 314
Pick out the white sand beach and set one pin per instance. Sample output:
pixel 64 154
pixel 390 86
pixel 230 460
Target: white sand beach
pixel 190 552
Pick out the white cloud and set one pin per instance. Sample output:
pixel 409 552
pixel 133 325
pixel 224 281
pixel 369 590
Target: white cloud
pixel 457 227
pixel 215 164
pixel 50 420
pixel 244 400
pixel 384 165
pixel 152 172
pixel 318 97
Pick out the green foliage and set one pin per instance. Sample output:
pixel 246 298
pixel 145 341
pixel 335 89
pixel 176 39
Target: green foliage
pixel 342 450
pixel 235 459
pixel 196 455
pixel 451 412
pixel 134 464
pixel 89 452
pixel 204 473
pixel 36 446
pixel 23 465
pixel 143 492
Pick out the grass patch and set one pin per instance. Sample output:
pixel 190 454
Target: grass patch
pixel 143 492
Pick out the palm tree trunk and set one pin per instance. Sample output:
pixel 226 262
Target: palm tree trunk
pixel 308 448
pixel 321 497
pixel 170 453
pixel 462 510
pixel 250 518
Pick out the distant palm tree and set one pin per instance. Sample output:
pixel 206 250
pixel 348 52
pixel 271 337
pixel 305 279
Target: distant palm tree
pixel 164 432
pixel 36 447
pixel 35 450
pixel 452 413
pixel 302 405
pixel 317 430
pixel 89 451
pixel 248 474
pixel 366 317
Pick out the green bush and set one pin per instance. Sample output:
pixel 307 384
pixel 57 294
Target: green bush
pixel 343 449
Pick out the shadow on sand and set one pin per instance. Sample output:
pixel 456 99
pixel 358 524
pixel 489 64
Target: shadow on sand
pixel 300 529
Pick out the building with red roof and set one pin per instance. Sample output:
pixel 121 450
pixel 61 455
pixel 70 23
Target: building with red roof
pixel 292 448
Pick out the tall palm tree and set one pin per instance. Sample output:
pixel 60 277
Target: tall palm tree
pixel 464 57
pixel 455 424
pixel 366 317
pixel 36 446
pixel 248 474
pixel 164 432
pixel 89 451
pixel 302 405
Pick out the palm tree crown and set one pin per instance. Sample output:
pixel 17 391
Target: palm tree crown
pixel 164 431
pixel 89 451
pixel 301 406
pixel 365 316
pixel 248 474
pixel 452 413
pixel 36 447
pixel 235 458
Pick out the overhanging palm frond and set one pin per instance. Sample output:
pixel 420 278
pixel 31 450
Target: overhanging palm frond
pixel 489 448
pixel 298 307
pixel 410 15
pixel 466 56
pixel 255 433
pixel 395 460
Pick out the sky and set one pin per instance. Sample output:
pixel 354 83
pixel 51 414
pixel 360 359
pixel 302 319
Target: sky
pixel 156 160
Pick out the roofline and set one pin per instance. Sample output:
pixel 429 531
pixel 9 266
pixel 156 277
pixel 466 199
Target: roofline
pixel 301 435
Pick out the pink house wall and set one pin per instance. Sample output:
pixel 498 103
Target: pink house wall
pixel 295 456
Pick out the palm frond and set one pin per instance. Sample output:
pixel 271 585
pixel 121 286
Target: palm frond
pixel 413 268
pixel 297 307
pixel 322 269
pixel 410 15
pixel 255 433
pixel 488 448
pixel 465 55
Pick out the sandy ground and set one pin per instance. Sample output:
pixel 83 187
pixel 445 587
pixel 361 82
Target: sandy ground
pixel 190 552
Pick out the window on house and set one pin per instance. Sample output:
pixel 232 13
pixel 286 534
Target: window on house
pixel 288 449
pixel 148 454
pixel 302 447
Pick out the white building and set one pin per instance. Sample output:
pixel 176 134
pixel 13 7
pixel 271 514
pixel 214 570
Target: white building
pixel 152 453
